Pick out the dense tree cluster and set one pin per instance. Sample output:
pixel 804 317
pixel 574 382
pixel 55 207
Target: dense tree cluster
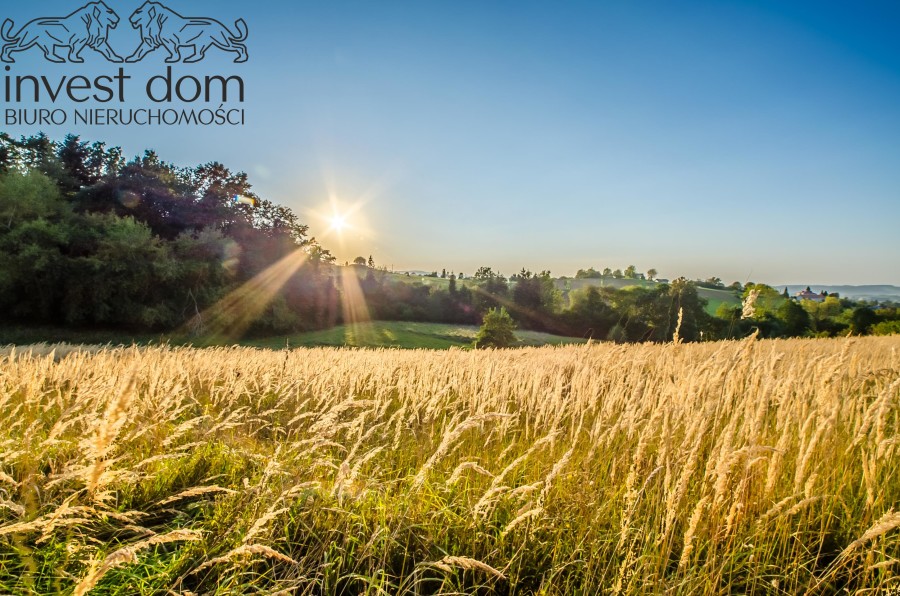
pixel 630 272
pixel 533 300
pixel 775 314
pixel 88 238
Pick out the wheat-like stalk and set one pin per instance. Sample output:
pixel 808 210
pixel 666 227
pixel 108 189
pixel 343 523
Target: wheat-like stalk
pixel 245 551
pixel 128 554
pixel 889 521
pixel 576 469
pixel 449 563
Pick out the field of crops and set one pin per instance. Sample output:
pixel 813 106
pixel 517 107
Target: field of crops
pixel 756 467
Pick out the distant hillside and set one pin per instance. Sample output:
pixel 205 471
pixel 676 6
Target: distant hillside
pixel 870 292
pixel 713 297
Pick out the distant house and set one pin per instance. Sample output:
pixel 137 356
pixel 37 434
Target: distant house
pixel 808 294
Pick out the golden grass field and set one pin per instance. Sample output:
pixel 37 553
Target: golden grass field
pixel 754 467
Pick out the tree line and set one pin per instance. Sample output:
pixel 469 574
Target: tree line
pixel 90 239
pixel 636 313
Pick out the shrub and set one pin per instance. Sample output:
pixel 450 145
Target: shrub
pixel 496 330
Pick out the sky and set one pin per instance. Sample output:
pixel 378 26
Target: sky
pixel 744 140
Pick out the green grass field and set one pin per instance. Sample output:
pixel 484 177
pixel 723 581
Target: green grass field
pixel 717 297
pixel 374 334
pixel 396 334
pixel 24 335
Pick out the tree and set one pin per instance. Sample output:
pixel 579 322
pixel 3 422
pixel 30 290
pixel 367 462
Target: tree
pixel 9 153
pixel 767 300
pixel 651 273
pixel 607 272
pixel 496 330
pixel 617 274
pixel 795 318
pixel 729 312
pixel 35 228
pixel 861 319
pixel 589 315
pixel 682 297
pixel 630 272
pixel 825 317
pixel 360 261
pixel 486 273
pixel 536 299
pixel 589 273
pixel 40 153
pixel 490 289
pixel 74 155
pixel 886 328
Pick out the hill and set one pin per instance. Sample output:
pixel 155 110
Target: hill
pixel 713 297
pixel 869 292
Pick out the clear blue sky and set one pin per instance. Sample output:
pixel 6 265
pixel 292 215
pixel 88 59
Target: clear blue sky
pixel 747 140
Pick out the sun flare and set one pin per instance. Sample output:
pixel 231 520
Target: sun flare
pixel 338 223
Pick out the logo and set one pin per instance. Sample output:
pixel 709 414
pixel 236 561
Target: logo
pixel 159 27
pixel 169 98
pixel 86 27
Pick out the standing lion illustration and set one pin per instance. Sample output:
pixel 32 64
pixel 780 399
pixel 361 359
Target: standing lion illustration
pixel 87 27
pixel 161 26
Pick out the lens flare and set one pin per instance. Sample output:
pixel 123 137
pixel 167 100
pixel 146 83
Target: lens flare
pixel 358 330
pixel 338 223
pixel 230 317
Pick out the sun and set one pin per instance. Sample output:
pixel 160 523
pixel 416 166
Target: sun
pixel 338 223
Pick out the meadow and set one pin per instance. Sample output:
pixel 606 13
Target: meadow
pixel 366 334
pixel 402 334
pixel 751 467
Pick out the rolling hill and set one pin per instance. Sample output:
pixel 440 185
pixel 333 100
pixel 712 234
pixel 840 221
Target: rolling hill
pixel 713 297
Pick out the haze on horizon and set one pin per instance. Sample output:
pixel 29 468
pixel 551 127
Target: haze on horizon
pixel 745 140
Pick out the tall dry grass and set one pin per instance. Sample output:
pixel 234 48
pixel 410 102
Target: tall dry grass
pixel 757 467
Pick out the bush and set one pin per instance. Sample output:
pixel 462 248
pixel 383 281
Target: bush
pixel 886 328
pixel 496 330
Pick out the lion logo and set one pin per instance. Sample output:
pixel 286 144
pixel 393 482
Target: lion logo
pixel 87 27
pixel 161 26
